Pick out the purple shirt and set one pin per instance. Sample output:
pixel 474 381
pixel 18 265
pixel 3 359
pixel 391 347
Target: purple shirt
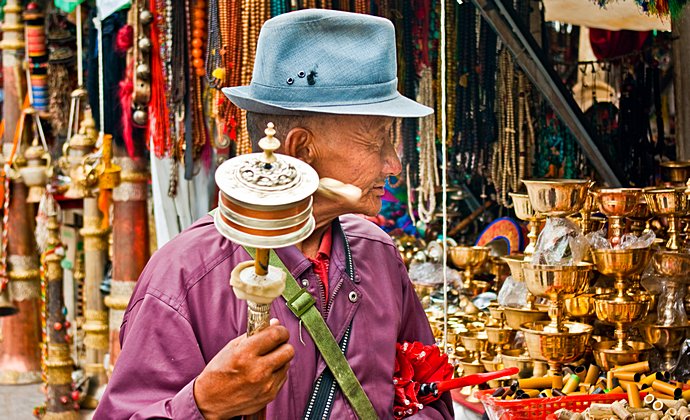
pixel 183 311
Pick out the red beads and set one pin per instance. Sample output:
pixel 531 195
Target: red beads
pixel 57 326
pixel 75 395
pixel 66 324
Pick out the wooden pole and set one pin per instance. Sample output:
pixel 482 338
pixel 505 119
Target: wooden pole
pixel 130 240
pixel 95 326
pixel 59 364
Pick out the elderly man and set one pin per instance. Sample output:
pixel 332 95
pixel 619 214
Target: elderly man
pixel 327 80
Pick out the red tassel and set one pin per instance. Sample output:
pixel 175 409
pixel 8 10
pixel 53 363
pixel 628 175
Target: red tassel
pixel 126 90
pixel 125 39
pixel 158 122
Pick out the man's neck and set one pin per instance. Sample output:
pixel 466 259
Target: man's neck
pixel 324 215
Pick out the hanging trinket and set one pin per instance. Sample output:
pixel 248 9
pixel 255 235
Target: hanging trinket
pixel 142 75
pixel 36 56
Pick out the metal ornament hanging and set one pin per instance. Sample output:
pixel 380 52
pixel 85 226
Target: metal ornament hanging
pixel 265 198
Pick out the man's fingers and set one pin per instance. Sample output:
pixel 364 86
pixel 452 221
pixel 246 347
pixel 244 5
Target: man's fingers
pixel 281 356
pixel 280 377
pixel 265 341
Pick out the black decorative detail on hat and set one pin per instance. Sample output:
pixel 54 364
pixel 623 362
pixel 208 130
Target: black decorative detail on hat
pixel 311 77
pixel 301 74
pixel 290 80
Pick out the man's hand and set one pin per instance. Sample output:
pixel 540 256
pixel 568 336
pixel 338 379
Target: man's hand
pixel 245 375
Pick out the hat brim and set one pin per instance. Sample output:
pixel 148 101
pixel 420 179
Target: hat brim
pixel 399 107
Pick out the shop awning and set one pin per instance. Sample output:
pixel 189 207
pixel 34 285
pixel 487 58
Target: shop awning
pixel 618 15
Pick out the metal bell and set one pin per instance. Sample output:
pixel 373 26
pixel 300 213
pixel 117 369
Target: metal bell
pixel 139 116
pixel 7 308
pixel 145 44
pixel 145 17
pixel 144 71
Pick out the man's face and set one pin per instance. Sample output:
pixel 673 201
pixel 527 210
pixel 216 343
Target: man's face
pixel 357 150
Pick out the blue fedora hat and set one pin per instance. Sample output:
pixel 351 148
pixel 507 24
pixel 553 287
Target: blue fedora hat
pixel 326 61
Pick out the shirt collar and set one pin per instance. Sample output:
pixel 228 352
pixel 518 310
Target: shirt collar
pixel 297 263
pixel 326 242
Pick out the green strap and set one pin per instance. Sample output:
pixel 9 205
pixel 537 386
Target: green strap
pixel 301 303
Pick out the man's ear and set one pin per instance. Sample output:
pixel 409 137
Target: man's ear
pixel 299 143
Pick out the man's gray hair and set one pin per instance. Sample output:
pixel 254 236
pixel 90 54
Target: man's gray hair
pixel 256 124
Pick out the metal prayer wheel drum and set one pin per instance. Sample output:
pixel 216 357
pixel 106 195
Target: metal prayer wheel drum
pixel 265 198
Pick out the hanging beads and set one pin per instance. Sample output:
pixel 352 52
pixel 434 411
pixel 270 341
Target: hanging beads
pixel 198 37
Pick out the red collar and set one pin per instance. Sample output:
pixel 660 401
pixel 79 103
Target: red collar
pixel 326 242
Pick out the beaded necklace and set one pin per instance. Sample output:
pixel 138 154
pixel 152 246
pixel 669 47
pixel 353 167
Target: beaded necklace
pixel 197 74
pixel 486 131
pixel 428 168
pixel 243 142
pixel 505 171
pixel 409 130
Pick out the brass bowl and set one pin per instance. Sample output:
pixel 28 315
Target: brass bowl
pixel 515 358
pixel 491 364
pixel 676 172
pixel 454 336
pixel 598 223
pixel 515 264
pixel 612 309
pixel 562 347
pixel 579 306
pixel 424 290
pixel 641 211
pixel 557 197
pixel 671 263
pixel 607 356
pixel 523 208
pixel 479 286
pixel 621 262
pixel 665 338
pixel 555 280
pixel 667 201
pixel 470 366
pixel 496 311
pixel 618 202
pixel 468 256
pixel 500 336
pixel 474 341
pixel 518 316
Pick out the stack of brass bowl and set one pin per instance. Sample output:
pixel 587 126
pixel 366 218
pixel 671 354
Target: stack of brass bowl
pixel 630 303
pixel 525 212
pixel 556 342
pixel 469 259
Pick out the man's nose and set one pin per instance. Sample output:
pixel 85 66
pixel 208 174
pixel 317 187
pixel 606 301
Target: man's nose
pixel 391 161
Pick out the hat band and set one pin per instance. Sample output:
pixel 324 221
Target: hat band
pixel 325 95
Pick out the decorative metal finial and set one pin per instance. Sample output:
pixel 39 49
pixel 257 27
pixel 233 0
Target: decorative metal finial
pixel 269 144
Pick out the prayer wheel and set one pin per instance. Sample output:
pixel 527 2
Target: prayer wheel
pixel 265 202
pixel 265 199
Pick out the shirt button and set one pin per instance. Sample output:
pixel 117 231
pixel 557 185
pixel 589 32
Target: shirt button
pixel 305 282
pixel 353 297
